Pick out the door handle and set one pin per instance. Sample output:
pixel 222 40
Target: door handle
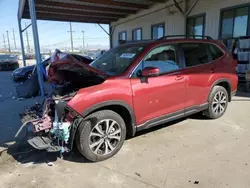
pixel 178 78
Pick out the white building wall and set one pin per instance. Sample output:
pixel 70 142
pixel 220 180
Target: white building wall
pixel 146 18
pixel 174 21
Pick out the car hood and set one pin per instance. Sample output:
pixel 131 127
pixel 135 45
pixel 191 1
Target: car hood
pixel 24 69
pixel 59 69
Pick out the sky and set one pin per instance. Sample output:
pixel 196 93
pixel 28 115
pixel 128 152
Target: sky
pixel 51 34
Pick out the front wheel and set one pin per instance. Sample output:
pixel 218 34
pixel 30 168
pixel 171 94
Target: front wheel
pixel 101 135
pixel 218 102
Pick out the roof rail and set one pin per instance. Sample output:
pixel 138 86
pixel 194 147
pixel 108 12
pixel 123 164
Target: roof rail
pixel 186 36
pixel 133 41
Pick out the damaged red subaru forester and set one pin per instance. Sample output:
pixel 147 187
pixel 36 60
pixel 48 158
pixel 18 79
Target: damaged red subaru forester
pixel 130 88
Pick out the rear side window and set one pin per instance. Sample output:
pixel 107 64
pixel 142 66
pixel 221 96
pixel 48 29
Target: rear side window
pixel 215 52
pixel 195 54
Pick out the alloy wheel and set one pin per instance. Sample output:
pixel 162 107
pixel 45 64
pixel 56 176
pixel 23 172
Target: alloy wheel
pixel 219 103
pixel 105 137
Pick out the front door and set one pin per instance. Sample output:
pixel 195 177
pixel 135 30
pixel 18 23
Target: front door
pixel 155 97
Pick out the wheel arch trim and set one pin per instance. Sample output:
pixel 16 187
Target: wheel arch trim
pixel 218 82
pixel 110 103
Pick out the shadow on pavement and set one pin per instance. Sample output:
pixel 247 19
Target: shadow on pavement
pixel 241 96
pixel 156 128
pixel 241 92
pixel 76 156
pixel 23 153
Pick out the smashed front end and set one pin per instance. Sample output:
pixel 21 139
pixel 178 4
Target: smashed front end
pixel 53 123
pixel 50 124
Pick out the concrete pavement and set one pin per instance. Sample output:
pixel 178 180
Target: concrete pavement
pixel 11 107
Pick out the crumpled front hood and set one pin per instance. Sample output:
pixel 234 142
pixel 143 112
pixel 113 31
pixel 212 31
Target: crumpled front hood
pixel 58 68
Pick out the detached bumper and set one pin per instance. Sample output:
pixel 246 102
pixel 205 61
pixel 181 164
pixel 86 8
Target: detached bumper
pixel 44 143
pixel 52 126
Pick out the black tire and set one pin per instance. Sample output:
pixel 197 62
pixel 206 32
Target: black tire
pixel 210 111
pixel 85 128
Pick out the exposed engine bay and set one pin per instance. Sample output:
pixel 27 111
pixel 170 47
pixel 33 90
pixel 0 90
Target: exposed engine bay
pixel 53 123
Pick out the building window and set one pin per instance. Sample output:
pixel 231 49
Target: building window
pixel 234 22
pixel 123 35
pixel 196 25
pixel 137 34
pixel 158 31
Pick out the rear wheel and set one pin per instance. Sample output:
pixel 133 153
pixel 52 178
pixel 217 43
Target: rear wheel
pixel 101 135
pixel 218 102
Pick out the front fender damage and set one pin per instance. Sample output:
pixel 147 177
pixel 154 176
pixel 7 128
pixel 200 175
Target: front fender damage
pixel 53 123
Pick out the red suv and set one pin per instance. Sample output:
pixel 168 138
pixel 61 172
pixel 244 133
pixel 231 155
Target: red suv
pixel 133 87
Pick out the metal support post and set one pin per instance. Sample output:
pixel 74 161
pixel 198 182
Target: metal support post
pixel 21 40
pixel 8 40
pixel 110 37
pixel 191 7
pixel 103 29
pixel 26 27
pixel 36 44
pixel 185 16
pixel 83 42
pixel 14 37
pixel 71 37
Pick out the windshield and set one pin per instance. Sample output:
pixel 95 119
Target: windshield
pixel 117 60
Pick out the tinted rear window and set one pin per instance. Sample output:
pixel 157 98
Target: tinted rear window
pixel 215 52
pixel 195 54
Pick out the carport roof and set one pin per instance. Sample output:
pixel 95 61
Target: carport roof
pixel 88 11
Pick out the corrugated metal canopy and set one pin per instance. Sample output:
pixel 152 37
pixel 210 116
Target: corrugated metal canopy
pixel 89 11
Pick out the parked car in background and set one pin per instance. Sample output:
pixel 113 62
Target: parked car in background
pixel 8 62
pixel 45 56
pixel 92 55
pixel 23 73
pixel 27 56
pixel 95 55
pixel 130 88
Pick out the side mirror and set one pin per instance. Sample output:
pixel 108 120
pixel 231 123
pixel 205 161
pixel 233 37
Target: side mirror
pixel 150 72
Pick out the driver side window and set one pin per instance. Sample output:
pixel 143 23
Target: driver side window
pixel 163 57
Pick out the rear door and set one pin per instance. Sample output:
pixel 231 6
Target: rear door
pixel 198 70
